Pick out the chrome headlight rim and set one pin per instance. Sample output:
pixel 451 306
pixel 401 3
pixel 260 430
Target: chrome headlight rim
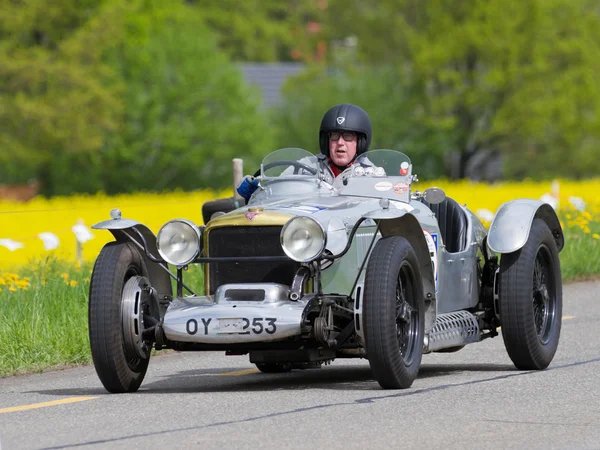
pixel 322 235
pixel 197 234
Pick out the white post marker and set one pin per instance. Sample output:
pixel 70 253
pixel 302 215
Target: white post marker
pixel 556 192
pixel 10 244
pixel 238 170
pixel 82 235
pixel 50 240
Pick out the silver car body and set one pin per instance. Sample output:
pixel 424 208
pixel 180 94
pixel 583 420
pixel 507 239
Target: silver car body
pixel 240 312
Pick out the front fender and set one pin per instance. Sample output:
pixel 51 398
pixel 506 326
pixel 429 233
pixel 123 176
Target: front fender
pixel 510 228
pixel 159 278
pixel 409 227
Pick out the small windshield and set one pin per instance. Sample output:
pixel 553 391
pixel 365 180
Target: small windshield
pixel 290 162
pixel 377 173
pixel 393 163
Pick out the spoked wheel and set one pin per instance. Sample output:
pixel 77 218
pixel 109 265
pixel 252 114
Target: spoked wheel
pixel 544 303
pixel 118 301
pixel 407 321
pixel 394 313
pixel 530 300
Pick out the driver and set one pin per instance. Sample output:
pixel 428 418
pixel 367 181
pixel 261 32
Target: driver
pixel 344 135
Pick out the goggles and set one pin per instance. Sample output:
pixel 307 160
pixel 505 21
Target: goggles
pixel 346 135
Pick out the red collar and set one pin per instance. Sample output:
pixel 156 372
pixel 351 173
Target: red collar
pixel 336 170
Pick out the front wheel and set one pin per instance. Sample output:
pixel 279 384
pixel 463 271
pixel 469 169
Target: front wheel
pixel 393 313
pixel 530 300
pixel 117 304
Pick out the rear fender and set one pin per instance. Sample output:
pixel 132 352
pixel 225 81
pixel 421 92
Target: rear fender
pixel 510 228
pixel 408 227
pixel 122 230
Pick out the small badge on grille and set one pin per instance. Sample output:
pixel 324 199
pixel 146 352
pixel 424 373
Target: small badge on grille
pixel 251 215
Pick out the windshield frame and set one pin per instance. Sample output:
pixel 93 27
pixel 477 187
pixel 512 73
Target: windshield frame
pixel 292 155
pixel 395 184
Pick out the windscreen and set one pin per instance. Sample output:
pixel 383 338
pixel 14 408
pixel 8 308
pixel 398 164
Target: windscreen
pixel 290 162
pixel 393 163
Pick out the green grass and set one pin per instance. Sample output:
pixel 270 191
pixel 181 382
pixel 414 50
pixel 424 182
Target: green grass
pixel 580 258
pixel 44 324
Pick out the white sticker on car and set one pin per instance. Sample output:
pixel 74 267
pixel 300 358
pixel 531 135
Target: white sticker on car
pixel 383 186
pixel 431 239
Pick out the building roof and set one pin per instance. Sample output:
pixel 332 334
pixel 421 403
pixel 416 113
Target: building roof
pixel 269 78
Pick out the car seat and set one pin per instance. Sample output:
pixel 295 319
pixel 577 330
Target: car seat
pixel 222 205
pixel 452 220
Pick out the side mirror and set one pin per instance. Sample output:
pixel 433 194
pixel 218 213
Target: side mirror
pixel 434 195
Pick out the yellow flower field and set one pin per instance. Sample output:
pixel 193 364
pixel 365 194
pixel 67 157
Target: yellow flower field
pixel 23 223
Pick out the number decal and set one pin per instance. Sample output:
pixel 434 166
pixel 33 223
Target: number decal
pixel 259 325
pixel 205 322
pixel 191 326
pixel 257 322
pixel 246 325
pixel 271 323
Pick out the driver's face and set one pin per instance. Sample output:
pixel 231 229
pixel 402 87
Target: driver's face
pixel 342 147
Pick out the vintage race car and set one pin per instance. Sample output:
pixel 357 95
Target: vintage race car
pixel 310 271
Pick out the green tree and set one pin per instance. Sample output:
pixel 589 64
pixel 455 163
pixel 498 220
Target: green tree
pixel 261 30
pixel 398 122
pixel 56 96
pixel 187 109
pixel 511 76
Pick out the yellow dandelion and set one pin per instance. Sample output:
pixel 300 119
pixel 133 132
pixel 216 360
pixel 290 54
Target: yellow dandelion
pixel 21 284
pixel 72 283
pixel 65 276
pixel 596 236
pixel 12 289
pixel 3 282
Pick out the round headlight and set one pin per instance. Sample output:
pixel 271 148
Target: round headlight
pixel 303 239
pixel 178 242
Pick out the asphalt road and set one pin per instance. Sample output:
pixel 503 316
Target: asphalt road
pixel 470 399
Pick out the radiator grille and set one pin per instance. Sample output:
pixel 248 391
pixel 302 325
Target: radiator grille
pixel 248 241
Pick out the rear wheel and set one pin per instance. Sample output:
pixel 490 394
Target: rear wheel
pixel 394 313
pixel 530 300
pixel 117 302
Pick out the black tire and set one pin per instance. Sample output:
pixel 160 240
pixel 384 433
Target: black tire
pixel 274 367
pixel 394 340
pixel 530 300
pixel 119 370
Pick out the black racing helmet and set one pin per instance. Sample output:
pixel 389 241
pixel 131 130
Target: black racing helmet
pixel 346 117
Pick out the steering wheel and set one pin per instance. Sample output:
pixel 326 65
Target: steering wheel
pixel 296 164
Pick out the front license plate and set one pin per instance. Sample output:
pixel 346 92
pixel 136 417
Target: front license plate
pixel 238 325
